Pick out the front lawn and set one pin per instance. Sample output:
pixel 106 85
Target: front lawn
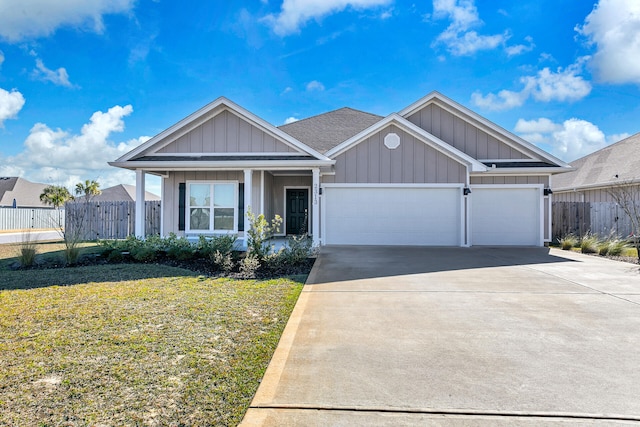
pixel 135 344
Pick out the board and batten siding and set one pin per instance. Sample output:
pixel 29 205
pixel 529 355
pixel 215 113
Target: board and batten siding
pixel 464 136
pixel 515 179
pixel 277 191
pixel 370 161
pixel 226 133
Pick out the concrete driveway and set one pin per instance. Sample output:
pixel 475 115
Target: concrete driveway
pixel 458 337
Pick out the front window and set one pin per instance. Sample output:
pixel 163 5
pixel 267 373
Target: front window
pixel 213 206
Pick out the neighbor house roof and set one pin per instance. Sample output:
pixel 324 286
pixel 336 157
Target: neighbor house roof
pixel 25 193
pixel 325 131
pixel 614 164
pixel 123 192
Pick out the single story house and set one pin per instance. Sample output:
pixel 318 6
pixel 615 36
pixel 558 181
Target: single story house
pixel 435 173
pixel 122 193
pixel 16 192
pixel 583 200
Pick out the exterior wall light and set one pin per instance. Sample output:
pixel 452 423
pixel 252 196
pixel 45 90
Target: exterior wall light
pixel 466 191
pixel 547 191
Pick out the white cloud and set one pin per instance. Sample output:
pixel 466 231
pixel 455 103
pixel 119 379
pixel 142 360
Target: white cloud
pixel 315 86
pixel 613 26
pixel 290 120
pixel 58 77
pixel 24 19
pixel 570 140
pixel 519 49
pixel 561 85
pixel 295 13
pixel 458 37
pixel 59 157
pixel 10 105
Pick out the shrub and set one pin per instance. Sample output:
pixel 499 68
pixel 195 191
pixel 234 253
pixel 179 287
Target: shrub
pixel 223 243
pixel 260 233
pixel 71 254
pixel 144 253
pixel 179 248
pixel 589 243
pixel 27 256
pixel 569 241
pixel 603 247
pixel 249 266
pixel 223 261
pixel 616 247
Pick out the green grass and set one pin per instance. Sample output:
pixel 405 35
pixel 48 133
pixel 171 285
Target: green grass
pixel 135 344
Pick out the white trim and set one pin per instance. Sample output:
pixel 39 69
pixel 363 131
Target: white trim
pixel 209 111
pixel 140 226
pixel 458 110
pixel 211 230
pixel 372 185
pixel 284 212
pixel 509 160
pixel 315 211
pixel 162 204
pixel 422 135
pixel 226 154
pixel 230 164
pixel 262 192
pixel 248 199
pixel 598 186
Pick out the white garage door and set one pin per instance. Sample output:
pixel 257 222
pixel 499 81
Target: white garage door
pixel 392 216
pixel 505 216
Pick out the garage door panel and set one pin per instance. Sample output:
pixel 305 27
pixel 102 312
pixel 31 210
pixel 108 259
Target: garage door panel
pixel 392 216
pixel 505 216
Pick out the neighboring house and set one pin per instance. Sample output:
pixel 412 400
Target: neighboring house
pixel 582 197
pixel 436 173
pixel 17 192
pixel 122 193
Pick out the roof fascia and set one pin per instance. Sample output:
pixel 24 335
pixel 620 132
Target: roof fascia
pixel 222 103
pixel 599 185
pixel 199 165
pixel 460 111
pixel 417 132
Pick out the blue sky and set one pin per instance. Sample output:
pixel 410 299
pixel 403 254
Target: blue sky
pixel 82 82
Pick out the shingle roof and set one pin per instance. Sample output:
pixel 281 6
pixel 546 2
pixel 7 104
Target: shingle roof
pixel 26 193
pixel 121 193
pixel 617 162
pixel 325 131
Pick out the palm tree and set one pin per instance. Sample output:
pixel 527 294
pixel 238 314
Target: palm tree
pixel 55 195
pixel 88 189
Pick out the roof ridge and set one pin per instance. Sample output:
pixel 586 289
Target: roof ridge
pixel 608 147
pixel 329 112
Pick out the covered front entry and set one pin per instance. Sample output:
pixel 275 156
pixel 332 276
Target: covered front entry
pixel 509 215
pixel 392 215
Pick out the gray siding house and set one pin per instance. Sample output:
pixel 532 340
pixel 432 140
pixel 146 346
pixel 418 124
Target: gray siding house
pixel 435 173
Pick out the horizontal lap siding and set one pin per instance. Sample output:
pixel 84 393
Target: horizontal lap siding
pixel 462 135
pixel 515 179
pixel 226 133
pixel 413 161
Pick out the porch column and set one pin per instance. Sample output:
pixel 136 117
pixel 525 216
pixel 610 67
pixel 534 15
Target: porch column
pixel 315 207
pixel 248 184
pixel 140 205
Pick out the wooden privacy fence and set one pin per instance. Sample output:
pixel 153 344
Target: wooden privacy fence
pixel 109 220
pixel 27 218
pixel 578 218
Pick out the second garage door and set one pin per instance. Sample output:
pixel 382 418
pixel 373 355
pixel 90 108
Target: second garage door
pixel 392 216
pixel 505 216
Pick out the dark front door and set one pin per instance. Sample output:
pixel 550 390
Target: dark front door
pixel 297 210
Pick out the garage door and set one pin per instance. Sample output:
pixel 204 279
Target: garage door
pixel 505 216
pixel 392 216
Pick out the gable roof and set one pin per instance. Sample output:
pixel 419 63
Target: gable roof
pixel 212 109
pixel 122 192
pixel 26 193
pixel 619 162
pixel 470 116
pixel 416 131
pixel 325 131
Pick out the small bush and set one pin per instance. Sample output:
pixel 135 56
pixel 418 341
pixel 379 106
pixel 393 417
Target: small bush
pixel 223 261
pixel 616 247
pixel 249 266
pixel 589 244
pixel 71 255
pixel 603 247
pixel 223 243
pixel 144 253
pixel 115 256
pixel 27 256
pixel 569 241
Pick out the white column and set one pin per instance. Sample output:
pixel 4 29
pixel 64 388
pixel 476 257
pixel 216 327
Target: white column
pixel 140 205
pixel 248 184
pixel 315 207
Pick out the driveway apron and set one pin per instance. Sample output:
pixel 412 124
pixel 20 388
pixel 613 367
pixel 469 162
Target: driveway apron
pixel 457 337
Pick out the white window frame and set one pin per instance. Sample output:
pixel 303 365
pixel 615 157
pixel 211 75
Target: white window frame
pixel 211 208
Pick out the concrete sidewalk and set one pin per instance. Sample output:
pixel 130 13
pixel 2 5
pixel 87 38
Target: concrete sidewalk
pixel 14 237
pixel 457 337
